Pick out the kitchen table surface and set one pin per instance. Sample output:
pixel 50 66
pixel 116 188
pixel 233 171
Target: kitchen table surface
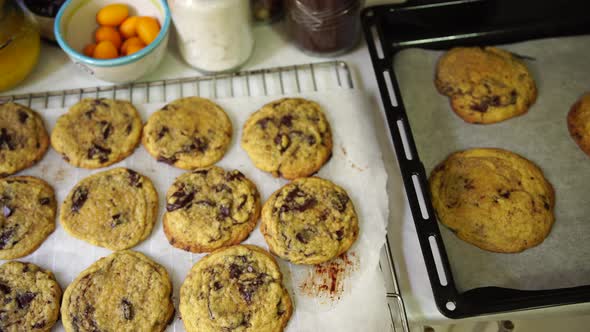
pixel 56 72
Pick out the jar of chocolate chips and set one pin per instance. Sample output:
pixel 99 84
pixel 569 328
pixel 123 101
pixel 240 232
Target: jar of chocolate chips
pixel 324 27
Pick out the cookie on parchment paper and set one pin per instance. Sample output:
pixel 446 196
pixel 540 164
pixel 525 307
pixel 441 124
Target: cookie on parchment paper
pixel 96 133
pixel 210 208
pixel 23 138
pixel 188 133
pixel 485 84
pixel 578 123
pixel 309 221
pixel 125 291
pixel 237 288
pixel 290 137
pixel 493 199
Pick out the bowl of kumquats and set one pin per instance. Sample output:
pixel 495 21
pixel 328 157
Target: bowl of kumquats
pixel 116 41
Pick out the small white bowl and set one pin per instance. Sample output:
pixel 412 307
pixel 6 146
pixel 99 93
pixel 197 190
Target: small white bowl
pixel 74 28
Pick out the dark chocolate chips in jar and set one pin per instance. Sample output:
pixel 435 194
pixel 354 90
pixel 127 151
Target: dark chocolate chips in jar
pixel 324 27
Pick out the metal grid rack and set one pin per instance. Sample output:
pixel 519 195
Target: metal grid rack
pixel 260 82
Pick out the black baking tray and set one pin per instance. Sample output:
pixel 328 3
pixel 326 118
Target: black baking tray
pixel 439 25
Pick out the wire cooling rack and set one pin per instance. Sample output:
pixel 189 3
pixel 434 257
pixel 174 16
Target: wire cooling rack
pixel 260 82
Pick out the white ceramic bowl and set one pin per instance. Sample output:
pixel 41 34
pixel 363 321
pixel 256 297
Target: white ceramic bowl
pixel 74 28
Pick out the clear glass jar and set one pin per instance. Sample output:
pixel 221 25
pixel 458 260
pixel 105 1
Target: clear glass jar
pixel 213 35
pixel 20 45
pixel 267 11
pixel 324 27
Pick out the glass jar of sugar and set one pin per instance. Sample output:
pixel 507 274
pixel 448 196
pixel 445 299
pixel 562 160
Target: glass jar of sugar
pixel 213 36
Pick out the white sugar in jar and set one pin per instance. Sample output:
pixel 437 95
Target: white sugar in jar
pixel 213 35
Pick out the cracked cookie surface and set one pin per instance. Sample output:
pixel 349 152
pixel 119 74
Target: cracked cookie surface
pixel 23 138
pixel 238 288
pixel 578 122
pixel 115 209
pixel 188 133
pixel 96 133
pixel 309 221
pixel 29 298
pixel 493 199
pixel 125 291
pixel 210 208
pixel 27 217
pixel 486 85
pixel 290 137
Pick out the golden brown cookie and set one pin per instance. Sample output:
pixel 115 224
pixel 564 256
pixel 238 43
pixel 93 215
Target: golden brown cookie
pixel 125 291
pixel 29 298
pixel 188 133
pixel 96 133
pixel 27 217
pixel 23 138
pixel 237 288
pixel 309 221
pixel 290 137
pixel 493 199
pixel 115 209
pixel 578 123
pixel 210 208
pixel 485 84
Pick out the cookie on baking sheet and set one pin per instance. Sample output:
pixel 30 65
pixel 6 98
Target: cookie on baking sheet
pixel 578 123
pixel 27 217
pixel 493 199
pixel 96 133
pixel 309 221
pixel 125 291
pixel 115 209
pixel 188 133
pixel 29 298
pixel 210 208
pixel 23 138
pixel 485 84
pixel 290 137
pixel 237 288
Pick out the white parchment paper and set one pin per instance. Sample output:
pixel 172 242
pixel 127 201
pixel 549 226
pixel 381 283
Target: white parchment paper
pixel 356 165
pixel 562 72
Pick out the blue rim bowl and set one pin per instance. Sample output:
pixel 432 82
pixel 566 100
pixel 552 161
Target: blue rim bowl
pixel 109 62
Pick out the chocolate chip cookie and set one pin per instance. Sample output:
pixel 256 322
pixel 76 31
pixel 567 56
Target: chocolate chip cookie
pixel 237 288
pixel 29 298
pixel 309 221
pixel 27 217
pixel 578 123
pixel 290 137
pixel 493 199
pixel 115 209
pixel 23 138
pixel 125 291
pixel 188 133
pixel 210 208
pixel 485 84
pixel 96 133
